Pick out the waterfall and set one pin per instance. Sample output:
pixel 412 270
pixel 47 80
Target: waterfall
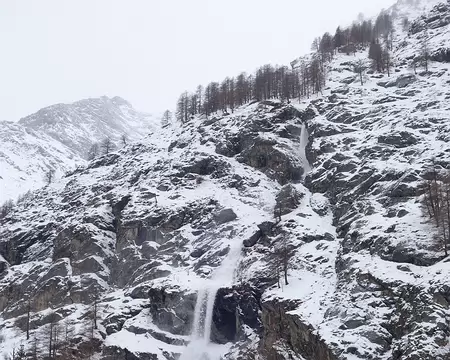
pixel 304 138
pixel 200 346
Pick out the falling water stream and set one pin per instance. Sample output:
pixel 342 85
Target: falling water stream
pixel 304 138
pixel 200 346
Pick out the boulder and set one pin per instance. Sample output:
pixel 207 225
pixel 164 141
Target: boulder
pixel 224 216
pixel 252 240
pixel 441 55
pixel 266 228
pixel 404 80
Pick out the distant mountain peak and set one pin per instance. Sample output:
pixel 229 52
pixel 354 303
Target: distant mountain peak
pixel 59 137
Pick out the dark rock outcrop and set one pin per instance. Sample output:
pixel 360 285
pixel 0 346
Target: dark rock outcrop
pixel 286 333
pixel 399 140
pixel 234 308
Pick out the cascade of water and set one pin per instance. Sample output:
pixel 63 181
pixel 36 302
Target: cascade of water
pixel 304 138
pixel 196 329
pixel 212 293
pixel 200 347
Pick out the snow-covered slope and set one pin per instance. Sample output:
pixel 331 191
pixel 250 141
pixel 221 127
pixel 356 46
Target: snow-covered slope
pixel 58 137
pixel 134 239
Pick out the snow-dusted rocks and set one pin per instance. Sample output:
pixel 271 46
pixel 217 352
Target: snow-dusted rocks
pixel 58 137
pixel 142 231
pixel 438 17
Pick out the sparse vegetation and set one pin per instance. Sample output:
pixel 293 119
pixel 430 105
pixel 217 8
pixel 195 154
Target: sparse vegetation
pixel 436 204
pixel 107 146
pixel 93 152
pixel 6 208
pixel 49 176
pixel 305 77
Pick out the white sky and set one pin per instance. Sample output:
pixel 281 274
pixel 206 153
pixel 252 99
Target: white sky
pixel 149 51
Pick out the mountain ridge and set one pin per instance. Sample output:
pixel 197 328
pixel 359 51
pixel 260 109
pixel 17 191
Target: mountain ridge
pixel 334 262
pixel 58 138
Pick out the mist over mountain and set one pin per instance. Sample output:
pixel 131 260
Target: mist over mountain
pixel 58 138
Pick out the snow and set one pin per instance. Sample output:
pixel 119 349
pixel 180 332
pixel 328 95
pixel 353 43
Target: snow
pixel 58 137
pixel 327 298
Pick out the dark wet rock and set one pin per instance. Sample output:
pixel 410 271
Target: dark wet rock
pixel 163 187
pixel 323 130
pixel 437 18
pixel 401 191
pixel 342 115
pixel 405 80
pixel 207 165
pixel 266 228
pixel 115 352
pixel 198 252
pixel 288 331
pixel 88 265
pixel 382 338
pixel 290 131
pixel 172 310
pixel 390 229
pixel 266 157
pixel 224 216
pixel 349 80
pixel 75 243
pixel 401 81
pixel 161 336
pixel 139 292
pixel 233 309
pixel 114 323
pixel 310 237
pixel 399 140
pixel 344 90
pixel 252 240
pixel 352 324
pixel 287 200
pixel 404 254
pixel 149 250
pixel 402 212
pixel 404 268
pixel 3 267
pixel 388 99
pixel 441 55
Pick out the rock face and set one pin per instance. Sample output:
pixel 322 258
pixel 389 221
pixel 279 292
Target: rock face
pixel 286 334
pixel 234 310
pixel 287 200
pixel 338 264
pixel 399 140
pixel 438 17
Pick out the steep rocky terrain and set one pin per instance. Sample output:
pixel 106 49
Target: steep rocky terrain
pixel 331 183
pixel 58 137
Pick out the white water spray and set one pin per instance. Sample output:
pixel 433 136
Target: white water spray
pixel 304 138
pixel 200 346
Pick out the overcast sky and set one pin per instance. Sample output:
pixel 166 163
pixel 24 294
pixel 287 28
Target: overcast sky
pixel 149 51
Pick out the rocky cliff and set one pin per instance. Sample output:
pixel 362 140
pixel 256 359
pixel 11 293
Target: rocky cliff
pixel 327 189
